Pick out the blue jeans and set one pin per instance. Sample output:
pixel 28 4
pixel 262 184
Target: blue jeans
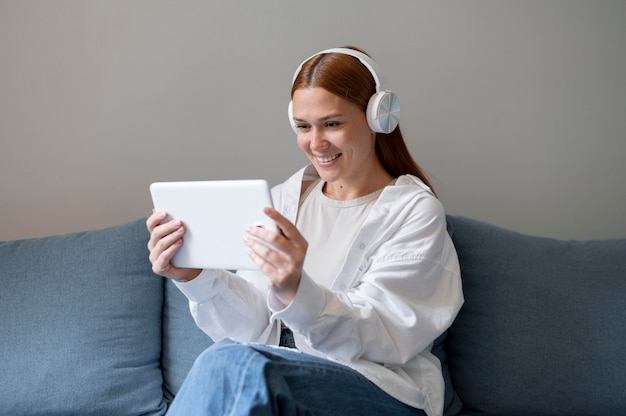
pixel 253 379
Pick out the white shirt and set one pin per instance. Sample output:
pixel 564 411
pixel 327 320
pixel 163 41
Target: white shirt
pixel 397 291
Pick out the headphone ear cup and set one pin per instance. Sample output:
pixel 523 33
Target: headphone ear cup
pixel 383 112
pixel 290 114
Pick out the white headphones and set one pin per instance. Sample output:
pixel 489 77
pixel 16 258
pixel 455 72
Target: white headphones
pixel 383 108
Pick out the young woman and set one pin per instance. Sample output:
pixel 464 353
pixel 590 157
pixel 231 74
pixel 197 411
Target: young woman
pixel 355 286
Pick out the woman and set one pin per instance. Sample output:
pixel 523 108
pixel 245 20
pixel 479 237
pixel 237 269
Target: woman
pixel 359 281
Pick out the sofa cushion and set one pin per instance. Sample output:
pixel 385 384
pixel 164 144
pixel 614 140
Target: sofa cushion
pixel 183 341
pixel 543 327
pixel 81 325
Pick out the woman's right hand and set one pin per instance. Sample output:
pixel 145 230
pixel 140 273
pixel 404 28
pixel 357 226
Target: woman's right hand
pixel 166 238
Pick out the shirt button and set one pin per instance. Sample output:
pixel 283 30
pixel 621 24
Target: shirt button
pixel 362 246
pixel 342 287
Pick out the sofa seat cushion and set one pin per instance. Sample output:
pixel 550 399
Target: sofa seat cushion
pixel 543 328
pixel 81 325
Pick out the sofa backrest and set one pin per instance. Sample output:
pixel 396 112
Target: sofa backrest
pixel 183 341
pixel 81 325
pixel 543 327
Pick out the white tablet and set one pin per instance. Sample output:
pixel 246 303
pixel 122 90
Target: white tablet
pixel 215 215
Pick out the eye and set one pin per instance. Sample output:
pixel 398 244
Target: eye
pixel 333 124
pixel 301 126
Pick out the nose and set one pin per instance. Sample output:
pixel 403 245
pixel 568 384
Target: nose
pixel 318 140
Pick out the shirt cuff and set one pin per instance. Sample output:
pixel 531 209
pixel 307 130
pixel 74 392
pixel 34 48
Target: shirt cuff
pixel 204 287
pixel 305 307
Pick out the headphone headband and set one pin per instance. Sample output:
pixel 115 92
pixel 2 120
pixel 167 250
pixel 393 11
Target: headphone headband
pixel 367 62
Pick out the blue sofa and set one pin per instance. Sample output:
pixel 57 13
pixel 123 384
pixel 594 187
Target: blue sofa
pixel 88 329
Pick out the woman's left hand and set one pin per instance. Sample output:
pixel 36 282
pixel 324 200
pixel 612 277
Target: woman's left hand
pixel 279 254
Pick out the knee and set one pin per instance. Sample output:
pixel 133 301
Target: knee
pixel 223 354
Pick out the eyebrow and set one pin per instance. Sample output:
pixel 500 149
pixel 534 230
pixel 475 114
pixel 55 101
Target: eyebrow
pixel 323 119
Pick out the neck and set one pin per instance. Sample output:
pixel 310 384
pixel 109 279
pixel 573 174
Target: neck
pixel 344 190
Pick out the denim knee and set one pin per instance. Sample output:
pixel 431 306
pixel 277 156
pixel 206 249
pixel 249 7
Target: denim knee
pixel 223 347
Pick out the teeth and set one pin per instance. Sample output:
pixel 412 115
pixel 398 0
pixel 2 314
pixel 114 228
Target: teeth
pixel 328 159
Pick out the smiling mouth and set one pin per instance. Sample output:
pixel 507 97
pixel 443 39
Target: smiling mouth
pixel 327 159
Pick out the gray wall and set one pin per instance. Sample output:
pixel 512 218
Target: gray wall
pixel 517 109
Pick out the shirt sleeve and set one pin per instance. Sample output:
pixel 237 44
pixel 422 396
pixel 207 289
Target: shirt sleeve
pixel 224 304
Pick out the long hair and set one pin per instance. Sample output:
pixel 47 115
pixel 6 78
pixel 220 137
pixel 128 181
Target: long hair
pixel 347 77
